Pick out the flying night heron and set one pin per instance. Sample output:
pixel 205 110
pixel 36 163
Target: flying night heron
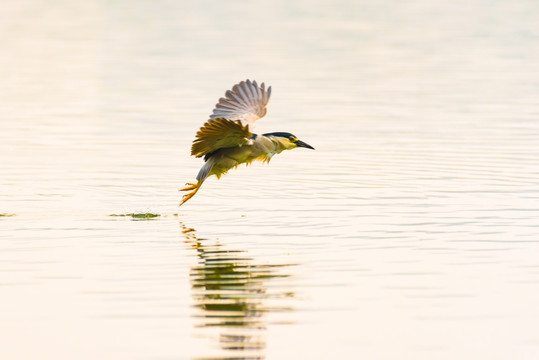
pixel 226 139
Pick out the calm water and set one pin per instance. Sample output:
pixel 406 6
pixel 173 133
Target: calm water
pixel 412 232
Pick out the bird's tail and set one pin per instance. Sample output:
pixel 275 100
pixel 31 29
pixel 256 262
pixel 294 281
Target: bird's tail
pixel 205 170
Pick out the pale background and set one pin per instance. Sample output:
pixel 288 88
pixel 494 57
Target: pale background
pixel 412 232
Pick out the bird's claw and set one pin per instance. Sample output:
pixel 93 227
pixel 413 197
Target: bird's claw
pixel 190 186
pixel 193 187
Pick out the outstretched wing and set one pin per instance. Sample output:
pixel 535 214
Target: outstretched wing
pixel 245 102
pixel 219 133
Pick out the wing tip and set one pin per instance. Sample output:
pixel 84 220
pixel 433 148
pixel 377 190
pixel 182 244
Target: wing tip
pixel 245 99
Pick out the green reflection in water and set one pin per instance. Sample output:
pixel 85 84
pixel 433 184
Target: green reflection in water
pixel 138 216
pixel 230 291
pixel 6 215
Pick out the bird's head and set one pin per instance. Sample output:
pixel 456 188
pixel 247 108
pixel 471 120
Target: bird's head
pixel 288 140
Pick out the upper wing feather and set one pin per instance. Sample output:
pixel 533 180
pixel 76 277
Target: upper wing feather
pixel 219 133
pixel 246 102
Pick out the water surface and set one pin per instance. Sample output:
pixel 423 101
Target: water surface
pixel 412 231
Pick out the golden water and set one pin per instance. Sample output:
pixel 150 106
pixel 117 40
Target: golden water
pixel 412 232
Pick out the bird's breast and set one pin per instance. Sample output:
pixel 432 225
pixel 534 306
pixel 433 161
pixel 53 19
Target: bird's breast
pixel 261 148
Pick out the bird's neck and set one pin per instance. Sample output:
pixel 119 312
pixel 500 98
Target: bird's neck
pixel 279 143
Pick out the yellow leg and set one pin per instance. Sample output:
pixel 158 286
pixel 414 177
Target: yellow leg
pixel 194 188
pixel 190 186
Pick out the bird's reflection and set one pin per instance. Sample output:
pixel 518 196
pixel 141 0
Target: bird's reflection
pixel 232 297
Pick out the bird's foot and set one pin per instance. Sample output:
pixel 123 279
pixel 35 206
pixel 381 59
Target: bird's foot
pixel 194 188
pixel 190 186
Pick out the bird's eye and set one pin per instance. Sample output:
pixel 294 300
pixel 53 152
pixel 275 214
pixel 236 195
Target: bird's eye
pixel 292 138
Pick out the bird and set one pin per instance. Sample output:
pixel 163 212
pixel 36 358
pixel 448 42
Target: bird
pixel 226 140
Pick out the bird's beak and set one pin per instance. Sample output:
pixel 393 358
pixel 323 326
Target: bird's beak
pixel 300 143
